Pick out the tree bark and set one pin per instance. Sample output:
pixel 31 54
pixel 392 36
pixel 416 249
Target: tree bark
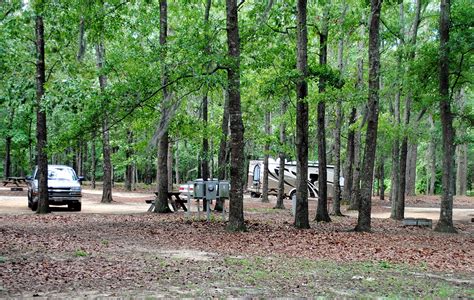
pixel 8 144
pixel 222 159
pixel 461 173
pixel 364 219
pixel 129 167
pixel 355 187
pixel 282 155
pixel 41 129
pixel 106 151
pixel 432 157
pixel 445 223
pixel 400 205
pixel 411 169
pixel 382 178
pixel 161 202
pixel 94 162
pixel 82 41
pixel 301 215
pixel 407 167
pixel 205 103
pixel 355 193
pixel 170 166
pixel 7 167
pixel 336 208
pixel 176 164
pixel 266 151
pixel 322 214
pixel 236 210
pixel 348 179
pixel 461 151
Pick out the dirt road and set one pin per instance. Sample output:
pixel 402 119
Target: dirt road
pixel 134 202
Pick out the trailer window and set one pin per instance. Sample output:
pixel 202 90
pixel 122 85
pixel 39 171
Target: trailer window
pixel 256 173
pixel 313 178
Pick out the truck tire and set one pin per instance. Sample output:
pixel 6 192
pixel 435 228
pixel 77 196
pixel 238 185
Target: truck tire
pixel 78 207
pixel 34 206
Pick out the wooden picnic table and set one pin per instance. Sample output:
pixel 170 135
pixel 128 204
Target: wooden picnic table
pixel 177 200
pixel 14 180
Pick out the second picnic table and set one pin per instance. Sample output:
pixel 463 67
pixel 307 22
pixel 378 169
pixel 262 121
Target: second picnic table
pixel 14 180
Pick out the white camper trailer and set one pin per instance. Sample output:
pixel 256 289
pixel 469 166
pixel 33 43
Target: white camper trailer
pixel 255 178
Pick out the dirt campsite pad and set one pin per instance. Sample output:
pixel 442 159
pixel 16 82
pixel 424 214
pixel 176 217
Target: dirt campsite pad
pixel 105 251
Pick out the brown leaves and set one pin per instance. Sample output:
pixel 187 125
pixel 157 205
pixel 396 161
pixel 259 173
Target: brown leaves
pixel 40 253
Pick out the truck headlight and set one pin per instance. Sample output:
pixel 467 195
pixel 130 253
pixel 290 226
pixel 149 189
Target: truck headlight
pixel 76 189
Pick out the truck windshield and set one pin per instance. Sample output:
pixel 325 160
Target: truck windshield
pixel 61 174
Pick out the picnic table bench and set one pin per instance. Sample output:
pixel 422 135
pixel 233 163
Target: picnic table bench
pixel 173 202
pixel 14 180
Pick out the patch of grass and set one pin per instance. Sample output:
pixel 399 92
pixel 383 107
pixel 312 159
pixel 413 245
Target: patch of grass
pixel 2 259
pixel 385 265
pixel 445 292
pixel 80 253
pixel 104 242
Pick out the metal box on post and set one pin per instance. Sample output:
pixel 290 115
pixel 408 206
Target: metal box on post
pixel 211 189
pixel 224 189
pixel 199 187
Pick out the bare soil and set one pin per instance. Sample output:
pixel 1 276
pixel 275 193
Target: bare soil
pixel 120 250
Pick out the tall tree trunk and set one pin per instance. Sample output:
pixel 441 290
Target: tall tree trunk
pixel 355 188
pixel 106 151
pixel 129 166
pixel 169 162
pixel 412 147
pixel 302 111
pixel 161 202
pixel 396 159
pixel 222 158
pixel 432 157
pixel 94 162
pixel 322 214
pixel 8 143
pixel 346 195
pixel 236 210
pixel 400 205
pixel 461 151
pixel 336 208
pixel 445 223
pixel 382 178
pixel 176 163
pixel 411 169
pixel 7 167
pixel 78 162
pixel 205 103
pixel 82 40
pixel 205 141
pixel 266 150
pixel 281 175
pixel 41 129
pixel 461 173
pixel 364 220
pixel 355 194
